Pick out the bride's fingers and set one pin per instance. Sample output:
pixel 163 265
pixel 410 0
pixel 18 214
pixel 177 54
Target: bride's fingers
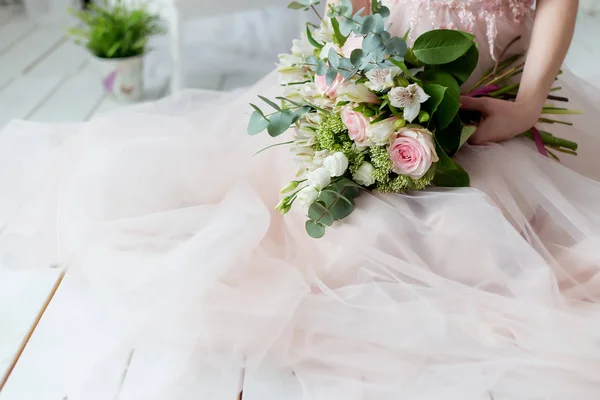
pixel 473 103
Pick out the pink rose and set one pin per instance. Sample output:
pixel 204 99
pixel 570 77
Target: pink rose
pixel 412 152
pixel 331 90
pixel 358 126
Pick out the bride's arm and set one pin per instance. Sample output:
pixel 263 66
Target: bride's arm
pixel 551 37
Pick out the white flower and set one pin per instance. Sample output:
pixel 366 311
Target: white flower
pixel 290 69
pixel 381 79
pixel 336 164
pixel 319 178
pixel 409 98
pixel 364 174
pixel 380 132
pixel 307 196
pixel 357 93
pixel 302 47
pixel 318 159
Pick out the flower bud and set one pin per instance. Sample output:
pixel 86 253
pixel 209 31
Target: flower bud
pixel 399 123
pixel 424 116
pixel 401 81
pixel 290 187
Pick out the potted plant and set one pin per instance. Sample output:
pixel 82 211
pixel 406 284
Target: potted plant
pixel 117 36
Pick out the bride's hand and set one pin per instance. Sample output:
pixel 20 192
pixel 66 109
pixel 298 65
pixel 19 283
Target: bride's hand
pixel 501 119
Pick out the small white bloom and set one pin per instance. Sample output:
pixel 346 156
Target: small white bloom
pixel 381 79
pixel 380 132
pixel 357 93
pixel 409 98
pixel 364 174
pixel 318 159
pixel 290 69
pixel 302 47
pixel 319 178
pixel 307 196
pixel 336 164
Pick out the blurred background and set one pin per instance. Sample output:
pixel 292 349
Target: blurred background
pixel 45 76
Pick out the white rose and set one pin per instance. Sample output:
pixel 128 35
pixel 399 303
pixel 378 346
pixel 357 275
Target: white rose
pixel 381 132
pixel 307 196
pixel 319 178
pixel 336 164
pixel 364 174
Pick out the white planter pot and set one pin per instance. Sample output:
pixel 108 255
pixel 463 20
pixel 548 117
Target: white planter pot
pixel 122 78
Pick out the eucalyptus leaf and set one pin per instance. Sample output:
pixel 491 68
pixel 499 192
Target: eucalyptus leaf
pixel 257 123
pixel 315 230
pixel 330 76
pixel 371 43
pixel 368 24
pixel 321 68
pixel 300 112
pixel 269 102
pixel 333 58
pixel 339 38
pixel 280 122
pixel 312 62
pixel 396 47
pixel 294 5
pixel 319 213
pixel 347 25
pixel 379 26
pixel 356 57
pixel 441 46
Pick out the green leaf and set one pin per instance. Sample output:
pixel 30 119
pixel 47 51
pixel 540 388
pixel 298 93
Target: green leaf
pixel 436 95
pixel 449 173
pixel 356 57
pixel 269 102
pixel 371 43
pixel 300 112
pixel 321 68
pixel 312 40
pixel 467 132
pixel 338 37
pixel 330 76
pixel 449 137
pixel 441 46
pixel 342 209
pixel 273 145
pixel 448 108
pixel 315 230
pixel 333 58
pixel 257 123
pixel 368 24
pixel 294 5
pixel 319 213
pixel 280 122
pixel 463 67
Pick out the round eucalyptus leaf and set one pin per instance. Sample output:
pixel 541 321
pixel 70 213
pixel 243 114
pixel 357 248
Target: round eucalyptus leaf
pixel 280 122
pixel 315 230
pixel 319 213
pixel 371 42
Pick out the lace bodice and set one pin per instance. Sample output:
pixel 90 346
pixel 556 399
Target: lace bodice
pixel 484 18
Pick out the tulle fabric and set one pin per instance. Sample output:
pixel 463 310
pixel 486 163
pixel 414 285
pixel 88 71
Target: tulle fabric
pixel 485 292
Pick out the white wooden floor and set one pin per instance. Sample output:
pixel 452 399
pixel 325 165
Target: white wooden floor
pixel 43 77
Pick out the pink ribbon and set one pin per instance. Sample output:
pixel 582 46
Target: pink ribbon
pixel 535 133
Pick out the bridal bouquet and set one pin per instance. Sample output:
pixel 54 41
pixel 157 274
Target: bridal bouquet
pixel 369 113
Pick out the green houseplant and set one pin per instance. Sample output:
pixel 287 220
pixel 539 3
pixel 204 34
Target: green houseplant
pixel 117 35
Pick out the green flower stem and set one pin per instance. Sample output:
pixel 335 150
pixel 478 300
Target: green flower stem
pixel 560 111
pixel 554 121
pixel 504 90
pixel 553 141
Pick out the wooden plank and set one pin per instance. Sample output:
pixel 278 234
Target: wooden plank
pixel 73 101
pixel 18 59
pixel 270 383
pixel 13 32
pixel 77 332
pixel 66 58
pixel 23 95
pixel 22 294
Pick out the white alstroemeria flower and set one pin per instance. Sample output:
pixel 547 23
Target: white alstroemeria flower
pixel 409 98
pixel 302 47
pixel 356 93
pixel 317 161
pixel 308 196
pixel 381 79
pixel 319 179
pixel 364 174
pixel 290 69
pixel 336 164
pixel 324 33
pixel 381 132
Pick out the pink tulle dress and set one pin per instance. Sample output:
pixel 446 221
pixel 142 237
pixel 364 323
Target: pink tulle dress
pixel 488 292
